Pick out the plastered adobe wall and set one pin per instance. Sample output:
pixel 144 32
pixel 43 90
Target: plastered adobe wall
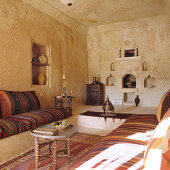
pixel 152 36
pixel 19 23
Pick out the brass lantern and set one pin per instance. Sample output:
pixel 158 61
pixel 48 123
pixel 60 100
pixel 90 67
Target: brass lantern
pixel 108 107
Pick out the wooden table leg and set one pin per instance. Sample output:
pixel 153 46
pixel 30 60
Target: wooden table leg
pixel 36 152
pixel 50 146
pixel 55 154
pixel 68 149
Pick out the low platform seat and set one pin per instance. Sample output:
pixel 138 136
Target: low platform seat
pixel 26 121
pixel 20 112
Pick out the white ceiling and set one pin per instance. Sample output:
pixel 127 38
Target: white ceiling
pixel 100 12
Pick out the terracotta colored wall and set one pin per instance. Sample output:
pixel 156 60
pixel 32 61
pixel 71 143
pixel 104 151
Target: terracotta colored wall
pixel 19 23
pixel 152 35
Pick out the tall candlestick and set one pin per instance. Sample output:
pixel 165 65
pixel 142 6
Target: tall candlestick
pixel 120 53
pixel 64 76
pixel 137 51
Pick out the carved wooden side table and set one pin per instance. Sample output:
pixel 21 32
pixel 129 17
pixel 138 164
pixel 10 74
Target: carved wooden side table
pixel 63 135
pixel 64 102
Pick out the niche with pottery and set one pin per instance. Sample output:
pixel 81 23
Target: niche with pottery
pixel 149 82
pixel 40 63
pixel 129 81
pixel 110 80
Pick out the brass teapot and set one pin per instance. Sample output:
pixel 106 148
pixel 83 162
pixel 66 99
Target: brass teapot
pixel 108 107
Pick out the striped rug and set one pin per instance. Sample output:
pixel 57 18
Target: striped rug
pixel 80 144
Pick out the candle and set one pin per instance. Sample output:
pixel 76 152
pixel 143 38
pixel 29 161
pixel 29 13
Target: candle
pixel 120 53
pixel 64 76
pixel 137 51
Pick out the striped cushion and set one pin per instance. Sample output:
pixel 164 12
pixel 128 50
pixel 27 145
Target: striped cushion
pixel 17 102
pixel 164 105
pixel 157 155
pixel 123 148
pixel 11 127
pixel 29 120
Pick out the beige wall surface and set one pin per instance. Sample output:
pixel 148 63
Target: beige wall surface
pixel 152 36
pixel 19 23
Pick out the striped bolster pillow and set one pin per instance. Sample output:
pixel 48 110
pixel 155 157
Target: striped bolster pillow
pixel 13 103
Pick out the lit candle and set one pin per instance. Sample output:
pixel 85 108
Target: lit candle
pixel 64 76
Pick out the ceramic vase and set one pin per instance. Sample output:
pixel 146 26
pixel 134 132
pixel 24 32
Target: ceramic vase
pixel 43 59
pixel 41 79
pixel 64 92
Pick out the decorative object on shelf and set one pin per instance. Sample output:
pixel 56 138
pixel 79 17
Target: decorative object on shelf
pixel 35 59
pixel 43 59
pixel 110 80
pixel 64 91
pixel 108 107
pixel 94 79
pixel 112 67
pixel 137 100
pixel 129 53
pixel 149 82
pixel 120 53
pixel 41 79
pixel 144 66
pixel 137 51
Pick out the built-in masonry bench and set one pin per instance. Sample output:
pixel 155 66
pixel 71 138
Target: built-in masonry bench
pixel 93 121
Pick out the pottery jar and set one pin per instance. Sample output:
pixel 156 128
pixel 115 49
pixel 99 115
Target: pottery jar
pixel 43 59
pixel 41 78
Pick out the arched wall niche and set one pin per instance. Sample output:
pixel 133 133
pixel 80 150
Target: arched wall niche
pixel 129 81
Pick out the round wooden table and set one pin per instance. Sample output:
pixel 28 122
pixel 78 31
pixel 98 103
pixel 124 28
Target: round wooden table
pixel 62 135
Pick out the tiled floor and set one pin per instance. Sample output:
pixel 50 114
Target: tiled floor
pixel 96 129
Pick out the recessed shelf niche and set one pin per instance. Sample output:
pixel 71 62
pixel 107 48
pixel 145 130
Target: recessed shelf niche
pixel 110 80
pixel 40 63
pixel 129 98
pixel 149 82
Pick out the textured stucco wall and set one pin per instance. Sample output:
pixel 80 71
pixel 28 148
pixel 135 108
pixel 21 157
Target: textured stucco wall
pixel 152 35
pixel 19 23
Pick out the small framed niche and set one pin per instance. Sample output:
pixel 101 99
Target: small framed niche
pixel 41 63
pixel 112 67
pixel 149 82
pixel 129 98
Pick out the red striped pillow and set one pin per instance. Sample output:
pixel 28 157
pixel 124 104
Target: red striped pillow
pixel 17 102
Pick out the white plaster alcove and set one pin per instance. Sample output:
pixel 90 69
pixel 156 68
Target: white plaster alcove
pixel 132 66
